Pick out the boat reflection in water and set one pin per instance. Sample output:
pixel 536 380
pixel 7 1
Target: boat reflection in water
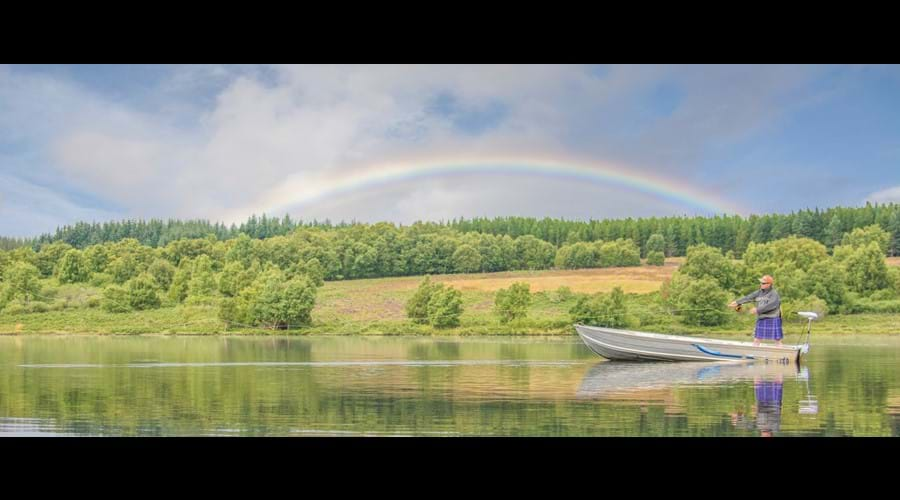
pixel 652 383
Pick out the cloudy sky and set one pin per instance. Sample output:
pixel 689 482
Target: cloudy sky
pixel 96 143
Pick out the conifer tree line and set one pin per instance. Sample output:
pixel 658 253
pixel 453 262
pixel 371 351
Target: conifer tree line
pixel 7 243
pixel 728 233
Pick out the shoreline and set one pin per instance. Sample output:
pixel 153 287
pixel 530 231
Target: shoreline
pixel 454 332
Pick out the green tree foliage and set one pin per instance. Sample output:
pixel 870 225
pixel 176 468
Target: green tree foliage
pixel 617 253
pixel 826 281
pixel 417 305
pixel 97 257
pixel 497 253
pixel 862 236
pixel 143 292
pixel 656 259
pixel 894 278
pixel 534 254
pixel 241 250
pixel 162 272
pixel 466 259
pixel 349 251
pixel 435 304
pixel 233 279
pixel 179 250
pixel 117 252
pixel 801 267
pixel 601 309
pixel 581 255
pixel 73 267
pixel 865 268
pixel 702 302
pixel 123 268
pixel 810 303
pixel 178 291
pixel 513 302
pixel 725 232
pixel 445 307
pixel 315 271
pixel 562 294
pixel 7 243
pixel 49 255
pixel 22 281
pixel 704 261
pixel 791 252
pixel 202 285
pixel 656 243
pixel 834 232
pixel 131 248
pixel 23 254
pixel 234 311
pixel 276 303
pixel 237 309
pixel 894 229
pixel 115 299
pixel 432 253
pixel 298 299
pixel 5 261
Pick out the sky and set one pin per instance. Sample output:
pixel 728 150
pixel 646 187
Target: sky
pixel 418 142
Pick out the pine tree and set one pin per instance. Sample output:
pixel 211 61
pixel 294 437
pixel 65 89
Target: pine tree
pixel 834 232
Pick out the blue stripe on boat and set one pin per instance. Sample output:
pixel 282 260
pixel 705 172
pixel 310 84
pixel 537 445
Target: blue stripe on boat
pixel 716 353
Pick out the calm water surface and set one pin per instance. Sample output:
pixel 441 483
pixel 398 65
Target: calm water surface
pixel 413 386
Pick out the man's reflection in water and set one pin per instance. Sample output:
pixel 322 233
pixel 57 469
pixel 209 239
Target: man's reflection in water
pixel 768 407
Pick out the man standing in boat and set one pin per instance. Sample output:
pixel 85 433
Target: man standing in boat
pixel 767 310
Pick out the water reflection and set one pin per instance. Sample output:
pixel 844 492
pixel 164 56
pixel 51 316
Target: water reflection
pixel 648 383
pixel 810 405
pixel 115 386
pixel 609 379
pixel 766 415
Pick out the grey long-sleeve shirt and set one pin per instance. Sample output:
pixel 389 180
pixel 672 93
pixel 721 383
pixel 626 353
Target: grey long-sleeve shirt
pixel 768 302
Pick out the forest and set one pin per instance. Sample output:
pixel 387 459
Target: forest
pixel 267 279
pixel 730 233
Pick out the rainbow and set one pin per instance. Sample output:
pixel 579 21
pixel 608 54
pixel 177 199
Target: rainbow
pixel 300 191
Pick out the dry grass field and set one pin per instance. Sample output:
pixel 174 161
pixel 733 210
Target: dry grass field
pixel 385 298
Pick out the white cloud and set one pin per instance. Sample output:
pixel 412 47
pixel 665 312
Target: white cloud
pixel 890 195
pixel 263 125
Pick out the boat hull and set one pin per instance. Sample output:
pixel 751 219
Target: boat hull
pixel 628 345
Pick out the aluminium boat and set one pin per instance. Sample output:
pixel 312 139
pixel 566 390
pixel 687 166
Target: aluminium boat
pixel 629 345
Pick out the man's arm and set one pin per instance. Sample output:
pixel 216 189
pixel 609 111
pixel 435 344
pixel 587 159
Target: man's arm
pixel 747 298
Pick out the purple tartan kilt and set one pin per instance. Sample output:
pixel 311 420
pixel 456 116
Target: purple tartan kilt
pixel 768 329
pixel 768 392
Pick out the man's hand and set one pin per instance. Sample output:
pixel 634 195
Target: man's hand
pixel 733 304
pixel 753 311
